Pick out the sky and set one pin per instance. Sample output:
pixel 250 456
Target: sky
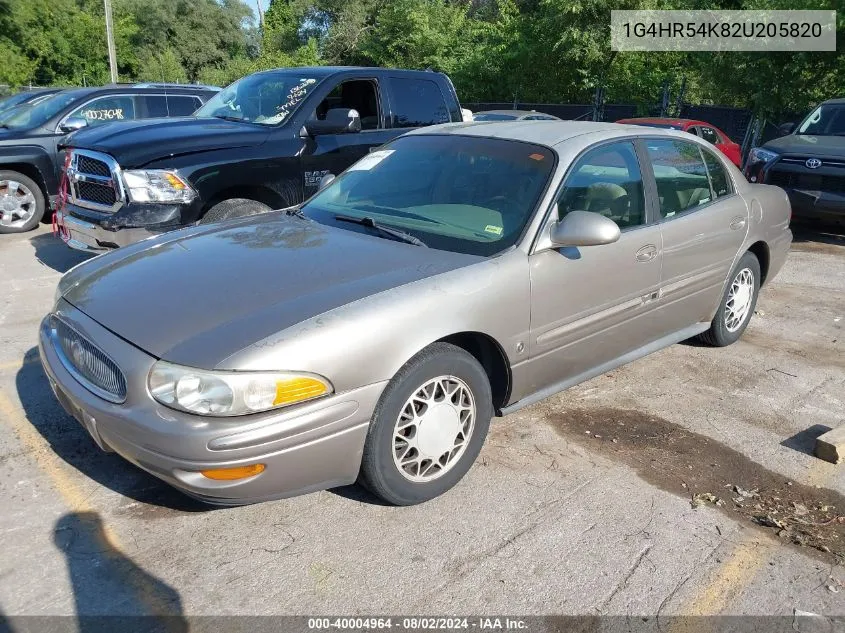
pixel 254 6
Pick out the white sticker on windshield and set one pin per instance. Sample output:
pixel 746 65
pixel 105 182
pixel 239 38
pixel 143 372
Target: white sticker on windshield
pixel 371 160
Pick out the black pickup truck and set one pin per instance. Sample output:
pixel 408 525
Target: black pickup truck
pixel 264 142
pixel 30 161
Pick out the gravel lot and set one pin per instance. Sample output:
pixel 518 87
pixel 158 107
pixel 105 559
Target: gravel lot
pixel 578 505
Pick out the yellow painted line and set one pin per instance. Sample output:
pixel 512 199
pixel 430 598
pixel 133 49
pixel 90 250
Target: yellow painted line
pixel 742 565
pixel 77 502
pixel 17 364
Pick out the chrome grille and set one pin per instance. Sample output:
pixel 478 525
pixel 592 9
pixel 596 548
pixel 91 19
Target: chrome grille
pixel 95 192
pixel 90 366
pixel 94 181
pixel 88 165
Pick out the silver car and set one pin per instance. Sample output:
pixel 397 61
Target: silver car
pixel 460 272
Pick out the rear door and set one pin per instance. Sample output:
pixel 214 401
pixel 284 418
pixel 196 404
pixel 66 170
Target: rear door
pixel 592 304
pixel 703 224
pixel 333 153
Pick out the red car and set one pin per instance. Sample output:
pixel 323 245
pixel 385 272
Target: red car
pixel 706 131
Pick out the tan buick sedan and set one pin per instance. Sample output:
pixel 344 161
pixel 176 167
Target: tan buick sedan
pixel 460 272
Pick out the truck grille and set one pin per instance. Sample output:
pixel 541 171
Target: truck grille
pixel 811 182
pixel 90 366
pixel 94 181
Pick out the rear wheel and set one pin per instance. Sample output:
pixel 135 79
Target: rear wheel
pixel 22 203
pixel 233 208
pixel 737 305
pixel 428 427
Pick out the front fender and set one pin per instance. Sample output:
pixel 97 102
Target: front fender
pixel 36 158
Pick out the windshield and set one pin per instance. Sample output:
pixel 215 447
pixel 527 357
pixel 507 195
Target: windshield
pixel 493 117
pixel 458 193
pixel 12 101
pixel 826 120
pixel 28 115
pixel 265 98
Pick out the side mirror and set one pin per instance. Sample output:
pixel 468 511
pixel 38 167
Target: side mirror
pixel 325 181
pixel 337 121
pixel 73 123
pixel 786 128
pixel 584 228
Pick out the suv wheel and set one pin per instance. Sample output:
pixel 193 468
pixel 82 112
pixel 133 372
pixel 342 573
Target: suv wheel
pixel 21 203
pixel 737 305
pixel 233 208
pixel 428 427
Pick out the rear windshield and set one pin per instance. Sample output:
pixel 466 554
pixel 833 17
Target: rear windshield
pixel 458 193
pixel 481 116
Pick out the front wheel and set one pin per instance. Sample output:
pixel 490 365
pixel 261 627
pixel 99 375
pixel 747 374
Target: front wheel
pixel 22 203
pixel 428 426
pixel 737 305
pixel 233 208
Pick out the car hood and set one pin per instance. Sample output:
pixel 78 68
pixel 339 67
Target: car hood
pixel 136 143
pixel 808 145
pixel 202 294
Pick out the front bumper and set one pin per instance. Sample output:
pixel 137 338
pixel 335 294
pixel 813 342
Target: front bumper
pixel 93 238
pixel 819 205
pixel 309 447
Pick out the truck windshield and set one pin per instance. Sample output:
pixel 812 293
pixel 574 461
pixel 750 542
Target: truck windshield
pixel 265 98
pixel 457 193
pixel 28 116
pixel 826 120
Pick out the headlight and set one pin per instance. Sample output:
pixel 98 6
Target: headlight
pixel 230 393
pixel 157 185
pixel 760 155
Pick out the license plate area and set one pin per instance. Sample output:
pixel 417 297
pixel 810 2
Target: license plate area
pixel 88 422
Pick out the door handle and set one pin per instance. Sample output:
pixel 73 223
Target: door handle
pixel 646 253
pixel 737 224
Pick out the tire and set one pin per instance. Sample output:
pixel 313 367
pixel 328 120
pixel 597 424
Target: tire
pixel 725 329
pixel 233 208
pixel 22 209
pixel 426 373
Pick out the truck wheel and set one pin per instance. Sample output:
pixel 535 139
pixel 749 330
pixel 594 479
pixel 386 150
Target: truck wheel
pixel 428 426
pixel 21 203
pixel 233 208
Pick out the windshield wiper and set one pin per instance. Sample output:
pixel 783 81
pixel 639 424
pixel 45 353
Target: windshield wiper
pixel 229 117
pixel 384 230
pixel 295 210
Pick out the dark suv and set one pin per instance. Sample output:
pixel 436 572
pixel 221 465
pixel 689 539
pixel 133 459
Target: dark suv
pixel 809 163
pixel 264 142
pixel 30 164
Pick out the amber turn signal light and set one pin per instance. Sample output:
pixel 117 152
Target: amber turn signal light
pixel 230 474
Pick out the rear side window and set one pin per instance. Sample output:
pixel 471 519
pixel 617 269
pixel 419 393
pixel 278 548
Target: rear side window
pixel 718 176
pixel 709 135
pixel 182 105
pixel 417 102
pixel 107 109
pixel 154 106
pixel 681 176
pixel 607 181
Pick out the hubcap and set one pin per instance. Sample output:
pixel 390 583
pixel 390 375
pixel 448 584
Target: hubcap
pixel 739 299
pixel 17 203
pixel 433 429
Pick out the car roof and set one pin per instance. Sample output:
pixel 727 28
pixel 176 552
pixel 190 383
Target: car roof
pixel 549 133
pixel 837 101
pixel 325 71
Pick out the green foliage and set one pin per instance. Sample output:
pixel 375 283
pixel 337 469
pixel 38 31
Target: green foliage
pixel 553 51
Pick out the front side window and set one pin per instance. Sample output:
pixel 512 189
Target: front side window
pixel 681 176
pixel 417 102
pixel 267 98
pixel 709 135
pixel 606 180
pixel 826 120
pixel 360 95
pixel 107 109
pixel 31 115
pixel 457 193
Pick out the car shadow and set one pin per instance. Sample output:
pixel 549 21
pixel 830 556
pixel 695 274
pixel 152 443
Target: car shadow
pixel 54 253
pixel 71 442
pixel 819 234
pixel 805 441
pixel 357 492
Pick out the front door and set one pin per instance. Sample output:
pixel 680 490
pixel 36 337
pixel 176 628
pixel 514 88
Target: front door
pixel 333 153
pixel 590 305
pixel 703 222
